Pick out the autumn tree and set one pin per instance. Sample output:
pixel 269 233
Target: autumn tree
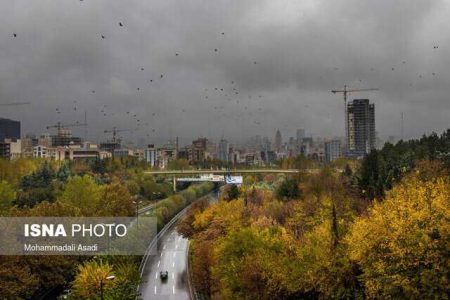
pixel 91 278
pixel 402 245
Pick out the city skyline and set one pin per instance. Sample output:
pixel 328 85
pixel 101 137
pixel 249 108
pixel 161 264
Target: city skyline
pixel 156 66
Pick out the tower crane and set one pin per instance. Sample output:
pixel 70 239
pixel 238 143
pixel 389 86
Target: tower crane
pixel 61 126
pixel 114 131
pixel 346 91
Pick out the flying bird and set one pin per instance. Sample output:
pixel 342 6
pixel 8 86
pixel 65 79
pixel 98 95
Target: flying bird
pixel 14 34
pixel 162 75
pixel 103 36
pixel 120 24
pixel 435 47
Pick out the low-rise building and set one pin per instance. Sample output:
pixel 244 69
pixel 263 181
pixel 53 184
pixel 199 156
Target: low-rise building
pixel 10 148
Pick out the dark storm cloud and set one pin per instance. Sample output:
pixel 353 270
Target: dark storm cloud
pixel 273 66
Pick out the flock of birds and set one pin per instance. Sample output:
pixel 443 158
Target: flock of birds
pixel 229 93
pixel 224 103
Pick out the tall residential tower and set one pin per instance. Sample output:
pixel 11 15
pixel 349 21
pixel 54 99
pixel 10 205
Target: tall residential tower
pixel 360 128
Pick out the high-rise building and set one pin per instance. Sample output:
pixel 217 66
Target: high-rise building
pixel 224 150
pixel 361 136
pixel 151 155
pixel 300 135
pixel 197 150
pixel 278 141
pixel 9 129
pixel 332 150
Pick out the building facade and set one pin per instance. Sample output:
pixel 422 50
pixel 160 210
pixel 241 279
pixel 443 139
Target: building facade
pixel 223 153
pixel 361 138
pixel 332 150
pixel 9 129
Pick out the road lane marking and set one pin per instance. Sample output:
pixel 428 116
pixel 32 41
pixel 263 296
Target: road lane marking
pixel 159 262
pixel 173 265
pixel 155 289
pixel 164 247
pixel 173 275
pixel 173 289
pixel 174 254
pixel 156 275
pixel 161 254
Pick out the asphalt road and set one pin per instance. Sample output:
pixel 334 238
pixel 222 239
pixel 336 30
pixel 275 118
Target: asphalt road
pixel 170 256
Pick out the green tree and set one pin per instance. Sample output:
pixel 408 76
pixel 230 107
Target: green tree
pixel 63 173
pixel 233 192
pixel 288 189
pixel 7 196
pixel 82 193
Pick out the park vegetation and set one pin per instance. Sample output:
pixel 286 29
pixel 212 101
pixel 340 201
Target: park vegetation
pixel 376 228
pixel 32 187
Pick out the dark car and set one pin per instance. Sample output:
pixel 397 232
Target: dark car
pixel 164 275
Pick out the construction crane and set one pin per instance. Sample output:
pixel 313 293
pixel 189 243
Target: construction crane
pixel 61 126
pixel 14 103
pixel 115 131
pixel 346 91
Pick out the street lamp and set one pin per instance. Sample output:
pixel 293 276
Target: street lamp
pixel 136 202
pixel 111 277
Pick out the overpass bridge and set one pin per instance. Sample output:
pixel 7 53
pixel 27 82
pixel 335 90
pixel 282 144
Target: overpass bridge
pixel 219 175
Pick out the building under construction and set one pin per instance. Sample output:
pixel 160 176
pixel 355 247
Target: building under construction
pixel 360 127
pixel 65 138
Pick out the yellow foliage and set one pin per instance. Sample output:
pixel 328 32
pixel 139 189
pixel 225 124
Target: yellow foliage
pixel 90 278
pixel 402 245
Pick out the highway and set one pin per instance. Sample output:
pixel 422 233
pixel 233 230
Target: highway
pixel 171 256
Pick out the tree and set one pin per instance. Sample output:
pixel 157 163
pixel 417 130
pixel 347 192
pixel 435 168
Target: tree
pixel 63 173
pixel 91 278
pixel 98 166
pixel 288 189
pixel 402 245
pixel 82 193
pixel 233 192
pixel 178 164
pixel 16 279
pixel 7 196
pixel 116 201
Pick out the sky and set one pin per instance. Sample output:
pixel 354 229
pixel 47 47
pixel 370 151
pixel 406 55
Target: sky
pixel 223 68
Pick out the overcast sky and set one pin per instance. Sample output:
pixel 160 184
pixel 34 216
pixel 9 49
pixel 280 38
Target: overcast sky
pixel 273 64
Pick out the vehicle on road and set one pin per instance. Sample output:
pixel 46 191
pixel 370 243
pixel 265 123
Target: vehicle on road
pixel 164 275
